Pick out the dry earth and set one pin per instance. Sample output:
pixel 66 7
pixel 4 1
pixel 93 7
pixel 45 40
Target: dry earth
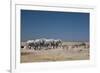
pixel 57 54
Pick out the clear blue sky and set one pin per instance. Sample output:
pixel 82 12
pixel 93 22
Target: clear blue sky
pixel 69 26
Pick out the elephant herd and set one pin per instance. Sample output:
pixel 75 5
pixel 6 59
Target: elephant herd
pixel 39 44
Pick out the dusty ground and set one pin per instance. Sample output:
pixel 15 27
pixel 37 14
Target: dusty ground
pixel 57 54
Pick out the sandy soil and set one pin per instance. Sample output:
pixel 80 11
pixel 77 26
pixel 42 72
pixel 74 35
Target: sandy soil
pixel 57 54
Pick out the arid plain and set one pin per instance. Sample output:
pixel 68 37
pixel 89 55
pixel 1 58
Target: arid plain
pixel 69 51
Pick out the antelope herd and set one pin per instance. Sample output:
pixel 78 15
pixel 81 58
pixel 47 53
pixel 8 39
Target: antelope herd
pixel 39 44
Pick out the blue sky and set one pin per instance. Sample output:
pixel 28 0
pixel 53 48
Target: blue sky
pixel 69 26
